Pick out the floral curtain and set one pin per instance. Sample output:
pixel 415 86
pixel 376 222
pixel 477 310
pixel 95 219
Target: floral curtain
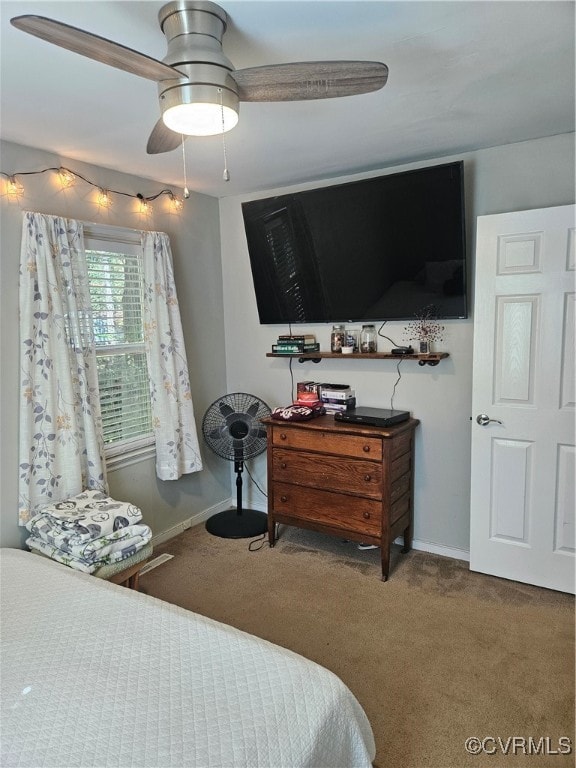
pixel 177 450
pixel 61 451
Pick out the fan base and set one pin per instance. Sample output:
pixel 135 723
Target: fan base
pixel 232 524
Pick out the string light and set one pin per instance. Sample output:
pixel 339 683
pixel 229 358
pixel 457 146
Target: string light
pixel 14 190
pixel 144 208
pixel 66 178
pixel 177 204
pixel 104 199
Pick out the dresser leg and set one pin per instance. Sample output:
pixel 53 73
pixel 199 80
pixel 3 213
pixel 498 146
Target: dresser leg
pixel 385 554
pixel 407 539
pixel 385 565
pixel 271 531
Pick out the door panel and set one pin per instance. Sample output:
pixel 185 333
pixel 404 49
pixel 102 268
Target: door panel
pixel 565 495
pixel 510 497
pixel 568 394
pixel 515 352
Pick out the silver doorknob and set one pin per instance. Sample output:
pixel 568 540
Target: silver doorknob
pixel 482 419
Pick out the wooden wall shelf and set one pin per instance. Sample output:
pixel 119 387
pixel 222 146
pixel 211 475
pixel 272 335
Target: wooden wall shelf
pixel 315 357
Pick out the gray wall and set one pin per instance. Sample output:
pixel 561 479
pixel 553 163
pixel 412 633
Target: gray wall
pixel 519 176
pixel 195 241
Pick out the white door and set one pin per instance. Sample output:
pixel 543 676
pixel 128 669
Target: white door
pixel 523 459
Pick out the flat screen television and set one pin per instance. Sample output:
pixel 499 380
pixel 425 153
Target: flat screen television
pixel 382 248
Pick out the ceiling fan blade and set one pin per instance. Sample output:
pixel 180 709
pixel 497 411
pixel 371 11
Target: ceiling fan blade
pixel 162 139
pixel 309 80
pixel 95 47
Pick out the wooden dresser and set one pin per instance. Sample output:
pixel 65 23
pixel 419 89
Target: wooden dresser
pixel 352 481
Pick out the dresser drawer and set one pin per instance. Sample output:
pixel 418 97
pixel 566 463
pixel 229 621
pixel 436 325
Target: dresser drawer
pixel 327 442
pixel 335 473
pixel 328 508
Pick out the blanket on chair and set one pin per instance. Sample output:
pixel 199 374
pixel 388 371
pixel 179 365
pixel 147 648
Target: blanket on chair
pixel 84 517
pixel 88 531
pixel 92 556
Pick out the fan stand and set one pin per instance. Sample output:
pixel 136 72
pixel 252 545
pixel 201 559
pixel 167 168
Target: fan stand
pixel 238 523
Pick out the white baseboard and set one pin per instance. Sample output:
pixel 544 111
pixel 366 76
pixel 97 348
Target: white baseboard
pixel 196 519
pixel 201 517
pixel 437 549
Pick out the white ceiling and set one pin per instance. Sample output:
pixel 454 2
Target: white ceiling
pixel 464 74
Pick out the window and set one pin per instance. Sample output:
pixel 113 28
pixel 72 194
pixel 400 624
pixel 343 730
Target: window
pixel 114 260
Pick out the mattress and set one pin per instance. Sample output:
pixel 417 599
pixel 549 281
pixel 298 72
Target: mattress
pixel 96 675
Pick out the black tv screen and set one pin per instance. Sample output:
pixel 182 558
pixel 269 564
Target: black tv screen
pixel 383 248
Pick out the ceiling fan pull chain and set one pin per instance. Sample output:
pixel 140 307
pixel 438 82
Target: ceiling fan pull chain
pixel 226 174
pixel 186 190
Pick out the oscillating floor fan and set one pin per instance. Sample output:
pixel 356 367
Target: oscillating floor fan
pixel 232 429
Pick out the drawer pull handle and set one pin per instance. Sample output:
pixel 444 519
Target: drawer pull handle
pixel 283 498
pixel 282 436
pixel 283 465
pixel 367 478
pixel 367 515
pixel 366 449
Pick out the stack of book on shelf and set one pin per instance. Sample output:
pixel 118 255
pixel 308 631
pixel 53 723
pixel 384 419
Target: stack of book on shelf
pixel 296 344
pixel 337 397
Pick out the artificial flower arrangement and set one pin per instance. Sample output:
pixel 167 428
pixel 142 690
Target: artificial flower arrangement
pixel 425 329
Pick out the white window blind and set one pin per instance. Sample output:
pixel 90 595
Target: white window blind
pixel 114 259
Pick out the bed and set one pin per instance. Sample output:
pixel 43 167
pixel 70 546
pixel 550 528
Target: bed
pixel 97 675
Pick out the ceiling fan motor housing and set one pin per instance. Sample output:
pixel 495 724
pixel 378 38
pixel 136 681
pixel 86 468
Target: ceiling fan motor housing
pixel 194 31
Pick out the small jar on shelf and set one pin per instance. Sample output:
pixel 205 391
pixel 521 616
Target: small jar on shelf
pixel 424 347
pixel 368 339
pixel 337 338
pixel 353 339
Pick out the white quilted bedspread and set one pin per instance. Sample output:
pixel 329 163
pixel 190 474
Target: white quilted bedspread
pixel 97 675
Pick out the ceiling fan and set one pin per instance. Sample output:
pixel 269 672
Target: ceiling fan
pixel 199 89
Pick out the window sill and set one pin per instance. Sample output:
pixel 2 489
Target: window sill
pixel 119 456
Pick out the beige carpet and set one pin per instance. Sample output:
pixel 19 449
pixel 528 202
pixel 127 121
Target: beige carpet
pixel 435 655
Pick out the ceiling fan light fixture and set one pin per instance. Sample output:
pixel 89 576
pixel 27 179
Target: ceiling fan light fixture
pixel 200 119
pixel 199 109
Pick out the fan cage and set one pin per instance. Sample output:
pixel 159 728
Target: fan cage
pixel 232 426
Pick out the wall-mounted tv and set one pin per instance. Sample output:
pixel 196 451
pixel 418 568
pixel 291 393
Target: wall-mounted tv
pixel 381 248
